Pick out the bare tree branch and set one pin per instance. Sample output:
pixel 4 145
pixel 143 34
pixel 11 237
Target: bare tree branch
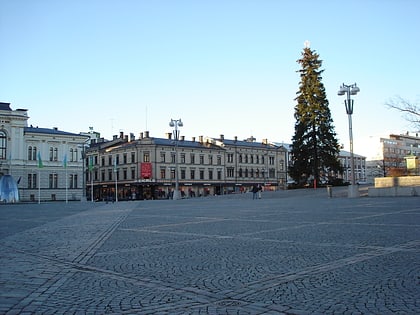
pixel 410 110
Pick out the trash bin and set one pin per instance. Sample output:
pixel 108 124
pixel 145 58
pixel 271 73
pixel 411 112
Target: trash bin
pixel 329 191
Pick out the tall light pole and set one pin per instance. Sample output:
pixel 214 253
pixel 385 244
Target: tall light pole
pixel 176 123
pixel 350 90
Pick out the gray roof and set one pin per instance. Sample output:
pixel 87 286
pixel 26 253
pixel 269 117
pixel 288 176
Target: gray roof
pixel 50 131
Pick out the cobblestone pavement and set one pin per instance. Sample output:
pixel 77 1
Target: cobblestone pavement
pixel 291 252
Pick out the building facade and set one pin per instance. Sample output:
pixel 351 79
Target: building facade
pixel 359 167
pixel 46 163
pixel 126 168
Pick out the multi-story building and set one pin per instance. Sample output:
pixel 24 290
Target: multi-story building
pixel 46 163
pixel 144 168
pixel 359 167
pixel 390 157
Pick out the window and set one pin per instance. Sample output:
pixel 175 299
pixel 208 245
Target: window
pixel 192 174
pixel 103 161
pixel 183 158
pixel 246 158
pixel 162 157
pixel 271 160
pixel 229 158
pixel 192 158
pixel 110 160
pixel 210 174
pixel 146 157
pixel 230 172
pixel 240 158
pixel 133 157
pixel 219 160
pixel 32 153
pixel 210 159
pixel 73 181
pixel 201 159
pixel 109 174
pixel 162 173
pixel 183 174
pixel 103 175
pixel 53 154
pixel 219 174
pixel 32 181
pixel 53 180
pixel 125 159
pixel 201 174
pixel 133 173
pixel 3 145
pixel 124 173
pixel 173 157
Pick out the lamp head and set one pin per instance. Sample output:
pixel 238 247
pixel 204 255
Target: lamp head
pixel 354 90
pixel 180 124
pixel 171 123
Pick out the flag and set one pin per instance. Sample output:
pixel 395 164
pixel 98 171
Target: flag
pixel 115 165
pixel 90 163
pixel 40 165
pixel 65 161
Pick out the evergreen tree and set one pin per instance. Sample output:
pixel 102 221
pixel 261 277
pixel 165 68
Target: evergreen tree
pixel 314 147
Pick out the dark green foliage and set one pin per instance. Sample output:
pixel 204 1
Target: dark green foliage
pixel 314 145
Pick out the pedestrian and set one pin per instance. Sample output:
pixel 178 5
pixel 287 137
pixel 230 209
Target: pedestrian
pixel 254 192
pixel 259 191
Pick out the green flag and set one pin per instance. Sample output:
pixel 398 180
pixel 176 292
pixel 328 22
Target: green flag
pixel 65 161
pixel 40 165
pixel 90 163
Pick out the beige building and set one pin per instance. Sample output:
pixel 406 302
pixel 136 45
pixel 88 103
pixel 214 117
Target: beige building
pixel 391 156
pixel 23 148
pixel 127 168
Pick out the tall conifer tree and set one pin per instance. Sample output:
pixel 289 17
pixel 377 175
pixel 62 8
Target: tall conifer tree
pixel 314 145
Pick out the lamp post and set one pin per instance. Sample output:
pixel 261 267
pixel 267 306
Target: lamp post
pixel 176 123
pixel 350 90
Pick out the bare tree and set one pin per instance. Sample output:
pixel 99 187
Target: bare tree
pixel 410 110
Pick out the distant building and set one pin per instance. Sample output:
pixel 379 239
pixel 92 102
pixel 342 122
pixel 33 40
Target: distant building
pixel 393 151
pixel 144 168
pixel 359 167
pixel 23 149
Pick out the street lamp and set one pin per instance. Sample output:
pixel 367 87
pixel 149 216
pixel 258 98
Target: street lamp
pixel 176 123
pixel 350 90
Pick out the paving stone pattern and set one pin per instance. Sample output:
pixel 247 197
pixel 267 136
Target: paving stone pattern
pixel 291 252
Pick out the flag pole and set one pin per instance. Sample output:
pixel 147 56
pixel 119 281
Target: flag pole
pixel 67 199
pixel 39 186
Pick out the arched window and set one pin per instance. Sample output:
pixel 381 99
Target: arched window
pixel 34 157
pixel 3 145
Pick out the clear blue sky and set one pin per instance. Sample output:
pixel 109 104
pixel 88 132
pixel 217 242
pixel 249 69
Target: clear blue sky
pixel 224 67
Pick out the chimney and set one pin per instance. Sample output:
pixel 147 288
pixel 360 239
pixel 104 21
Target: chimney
pixel 182 138
pixel 126 138
pixel 236 138
pixel 169 135
pixel 132 138
pixel 200 139
pixel 121 135
pixel 114 137
pixel 265 141
pixel 193 139
pixel 141 135
pixel 222 137
pixel 146 134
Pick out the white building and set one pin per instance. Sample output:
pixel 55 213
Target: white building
pixel 24 148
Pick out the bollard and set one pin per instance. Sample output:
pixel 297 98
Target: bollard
pixel 329 191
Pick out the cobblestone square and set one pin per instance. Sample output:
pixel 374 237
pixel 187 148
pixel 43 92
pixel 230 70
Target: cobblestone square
pixel 291 252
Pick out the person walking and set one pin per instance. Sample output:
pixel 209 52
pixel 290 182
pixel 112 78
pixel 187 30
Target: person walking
pixel 254 192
